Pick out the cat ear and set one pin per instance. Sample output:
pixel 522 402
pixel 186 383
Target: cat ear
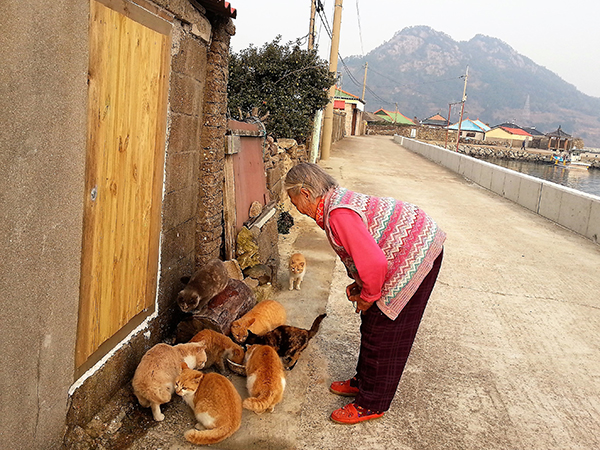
pixel 251 321
pixel 185 280
pixel 184 366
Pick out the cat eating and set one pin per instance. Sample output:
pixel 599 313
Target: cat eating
pixel 264 317
pixel 154 379
pixel 266 380
pixel 218 348
pixel 215 402
pixel 288 341
pixel 297 266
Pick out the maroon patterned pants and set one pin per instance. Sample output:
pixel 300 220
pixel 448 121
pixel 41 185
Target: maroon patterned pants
pixel 385 346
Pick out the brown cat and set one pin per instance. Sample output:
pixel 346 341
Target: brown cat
pixel 206 282
pixel 154 379
pixel 288 341
pixel 264 317
pixel 297 267
pixel 266 381
pixel 218 348
pixel 215 402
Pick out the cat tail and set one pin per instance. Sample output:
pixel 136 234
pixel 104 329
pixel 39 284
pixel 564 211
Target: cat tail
pixel 208 437
pixel 315 326
pixel 259 404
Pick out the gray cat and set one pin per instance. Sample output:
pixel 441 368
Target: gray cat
pixel 207 282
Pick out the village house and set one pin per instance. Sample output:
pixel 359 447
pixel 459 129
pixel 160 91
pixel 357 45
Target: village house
pixel 509 133
pixel 559 140
pixel 470 129
pixel 354 108
pixel 394 117
pixel 435 121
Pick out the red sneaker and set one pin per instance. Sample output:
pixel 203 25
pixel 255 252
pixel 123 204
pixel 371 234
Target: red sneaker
pixel 352 414
pixel 344 388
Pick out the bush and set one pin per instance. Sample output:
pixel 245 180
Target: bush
pixel 285 81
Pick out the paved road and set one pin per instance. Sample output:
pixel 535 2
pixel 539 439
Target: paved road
pixel 508 353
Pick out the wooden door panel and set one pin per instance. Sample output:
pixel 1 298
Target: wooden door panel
pixel 128 85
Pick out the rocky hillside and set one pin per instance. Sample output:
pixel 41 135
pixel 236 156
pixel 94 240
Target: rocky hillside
pixel 420 69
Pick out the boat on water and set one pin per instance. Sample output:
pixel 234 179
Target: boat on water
pixel 567 163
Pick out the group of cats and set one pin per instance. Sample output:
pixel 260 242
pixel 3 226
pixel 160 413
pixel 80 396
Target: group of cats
pixel 271 346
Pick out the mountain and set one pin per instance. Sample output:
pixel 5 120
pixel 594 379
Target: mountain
pixel 422 71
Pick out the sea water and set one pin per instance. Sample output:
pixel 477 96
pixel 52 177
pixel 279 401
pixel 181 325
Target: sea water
pixel 583 180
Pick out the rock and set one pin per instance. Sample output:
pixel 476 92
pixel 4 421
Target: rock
pixel 255 209
pixel 259 272
pixel 233 269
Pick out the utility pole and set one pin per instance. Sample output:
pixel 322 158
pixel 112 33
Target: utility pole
pixel 448 124
pixel 365 81
pixel 333 60
pixel 462 109
pixel 311 28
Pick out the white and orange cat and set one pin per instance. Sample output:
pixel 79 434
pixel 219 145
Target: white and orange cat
pixel 264 317
pixel 215 402
pixel 297 267
pixel 218 348
pixel 265 378
pixel 154 379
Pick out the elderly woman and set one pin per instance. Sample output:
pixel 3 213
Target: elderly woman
pixel 393 251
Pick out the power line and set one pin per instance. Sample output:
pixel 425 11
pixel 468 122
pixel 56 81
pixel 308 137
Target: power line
pixel 359 29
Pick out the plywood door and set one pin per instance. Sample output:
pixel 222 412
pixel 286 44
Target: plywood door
pixel 128 85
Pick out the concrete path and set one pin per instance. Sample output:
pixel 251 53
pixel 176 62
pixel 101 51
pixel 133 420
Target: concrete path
pixel 507 355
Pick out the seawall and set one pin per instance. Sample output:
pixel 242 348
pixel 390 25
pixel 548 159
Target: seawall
pixel 572 209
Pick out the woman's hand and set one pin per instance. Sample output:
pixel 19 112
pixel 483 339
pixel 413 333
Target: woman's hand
pixel 353 294
pixel 352 289
pixel 361 305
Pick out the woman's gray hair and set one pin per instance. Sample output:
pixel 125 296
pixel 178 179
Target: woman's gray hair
pixel 309 176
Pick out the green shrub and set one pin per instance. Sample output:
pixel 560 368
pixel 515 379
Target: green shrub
pixel 285 81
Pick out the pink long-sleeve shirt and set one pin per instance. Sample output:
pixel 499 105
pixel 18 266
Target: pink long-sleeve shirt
pixel 350 232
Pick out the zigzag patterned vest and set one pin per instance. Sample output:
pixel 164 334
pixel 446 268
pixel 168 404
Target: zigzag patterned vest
pixel 409 238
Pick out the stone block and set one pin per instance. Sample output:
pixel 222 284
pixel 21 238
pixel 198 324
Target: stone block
pixel 233 269
pixel 178 243
pixel 274 175
pixel 179 207
pixel 183 133
pixel 181 171
pixel 191 58
pixel 186 94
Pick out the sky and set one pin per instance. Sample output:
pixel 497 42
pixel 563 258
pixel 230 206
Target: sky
pixel 562 36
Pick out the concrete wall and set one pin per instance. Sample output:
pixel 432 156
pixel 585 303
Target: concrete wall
pixel 570 208
pixel 43 110
pixel 43 101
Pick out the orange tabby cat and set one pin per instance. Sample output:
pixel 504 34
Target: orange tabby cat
pixel 218 348
pixel 297 267
pixel 215 402
pixel 154 379
pixel 264 317
pixel 266 381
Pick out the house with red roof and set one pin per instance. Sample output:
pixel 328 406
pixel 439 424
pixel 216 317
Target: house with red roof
pixel 508 132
